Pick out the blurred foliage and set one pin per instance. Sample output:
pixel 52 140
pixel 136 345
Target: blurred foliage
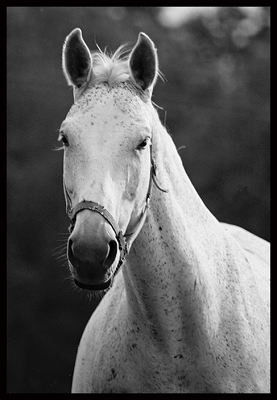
pixel 216 99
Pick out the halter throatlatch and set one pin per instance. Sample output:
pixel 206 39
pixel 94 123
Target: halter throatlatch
pixel 124 241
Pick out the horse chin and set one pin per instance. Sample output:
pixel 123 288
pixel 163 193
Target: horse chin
pixel 91 283
pixel 94 287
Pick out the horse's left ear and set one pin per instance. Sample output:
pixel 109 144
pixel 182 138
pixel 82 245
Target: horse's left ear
pixel 143 62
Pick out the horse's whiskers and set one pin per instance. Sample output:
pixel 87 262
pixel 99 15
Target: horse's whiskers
pixel 60 252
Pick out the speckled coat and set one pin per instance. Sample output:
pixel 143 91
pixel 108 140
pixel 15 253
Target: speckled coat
pixel 189 310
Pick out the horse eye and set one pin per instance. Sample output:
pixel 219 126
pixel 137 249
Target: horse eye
pixel 143 144
pixel 65 141
pixel 63 138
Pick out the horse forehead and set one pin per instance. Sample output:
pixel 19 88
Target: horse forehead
pixel 101 102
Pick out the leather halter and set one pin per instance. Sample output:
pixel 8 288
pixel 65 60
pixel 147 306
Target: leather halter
pixel 124 241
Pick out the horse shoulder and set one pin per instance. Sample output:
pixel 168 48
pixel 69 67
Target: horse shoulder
pixel 257 252
pixel 250 242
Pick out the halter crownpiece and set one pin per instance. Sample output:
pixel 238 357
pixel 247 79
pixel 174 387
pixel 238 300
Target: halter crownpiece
pixel 124 241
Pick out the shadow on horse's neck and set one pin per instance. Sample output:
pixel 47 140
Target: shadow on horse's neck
pixel 171 268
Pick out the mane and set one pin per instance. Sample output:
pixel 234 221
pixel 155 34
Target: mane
pixel 111 68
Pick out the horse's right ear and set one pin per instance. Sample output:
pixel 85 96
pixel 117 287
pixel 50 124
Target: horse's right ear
pixel 76 59
pixel 143 63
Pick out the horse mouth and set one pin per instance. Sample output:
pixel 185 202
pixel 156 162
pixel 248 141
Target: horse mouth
pixel 93 287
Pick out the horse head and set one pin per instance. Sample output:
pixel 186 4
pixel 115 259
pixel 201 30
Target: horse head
pixel 108 162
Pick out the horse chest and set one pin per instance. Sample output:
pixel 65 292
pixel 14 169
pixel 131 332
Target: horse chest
pixel 129 362
pixel 119 357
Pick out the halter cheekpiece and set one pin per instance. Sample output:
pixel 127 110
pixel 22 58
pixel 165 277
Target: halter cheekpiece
pixel 124 241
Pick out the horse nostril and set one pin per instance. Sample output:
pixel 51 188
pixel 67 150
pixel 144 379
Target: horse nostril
pixel 111 255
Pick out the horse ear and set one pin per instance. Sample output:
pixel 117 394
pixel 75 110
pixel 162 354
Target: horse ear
pixel 143 62
pixel 76 59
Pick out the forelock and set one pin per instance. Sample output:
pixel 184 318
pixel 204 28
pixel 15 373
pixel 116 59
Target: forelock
pixel 111 69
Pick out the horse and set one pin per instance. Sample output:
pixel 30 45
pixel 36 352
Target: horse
pixel 185 305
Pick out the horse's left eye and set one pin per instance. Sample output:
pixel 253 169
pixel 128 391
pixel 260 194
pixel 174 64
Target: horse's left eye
pixel 64 139
pixel 143 144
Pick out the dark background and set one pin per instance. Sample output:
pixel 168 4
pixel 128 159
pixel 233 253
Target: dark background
pixel 216 99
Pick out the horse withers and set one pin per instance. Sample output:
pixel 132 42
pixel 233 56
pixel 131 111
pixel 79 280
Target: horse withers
pixel 186 305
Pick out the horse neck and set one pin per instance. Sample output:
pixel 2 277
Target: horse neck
pixel 171 267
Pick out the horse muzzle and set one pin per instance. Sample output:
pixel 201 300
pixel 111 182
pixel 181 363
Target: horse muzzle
pixel 92 251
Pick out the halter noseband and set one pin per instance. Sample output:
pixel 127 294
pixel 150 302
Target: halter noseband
pixel 124 241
